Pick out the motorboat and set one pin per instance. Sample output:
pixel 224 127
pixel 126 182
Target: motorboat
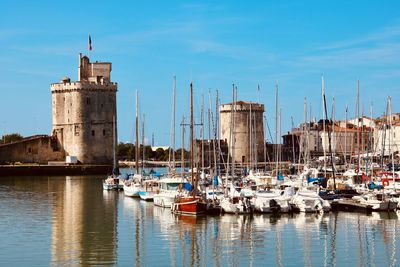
pixel 271 201
pixel 132 186
pixel 169 189
pixel 148 189
pixel 308 200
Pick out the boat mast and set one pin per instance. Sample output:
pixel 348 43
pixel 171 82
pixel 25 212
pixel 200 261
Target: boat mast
pixel 369 147
pixel 210 120
pixel 216 134
pixel 211 138
pixel 333 128
pixel 358 124
pixel 233 131
pixel 280 134
pixel 265 143
pixel 202 133
pixel 183 148
pixel 345 139
pixel 330 148
pixel 173 123
pixel 255 150
pixel 323 124
pixel 293 154
pixel 193 180
pixel 390 137
pixel 114 171
pixel 143 147
pixel 276 129
pixel 137 134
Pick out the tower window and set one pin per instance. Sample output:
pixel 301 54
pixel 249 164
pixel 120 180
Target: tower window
pixel 76 130
pixel 92 132
pixel 88 100
pixel 104 132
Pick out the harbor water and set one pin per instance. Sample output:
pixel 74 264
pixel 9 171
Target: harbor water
pixel 64 221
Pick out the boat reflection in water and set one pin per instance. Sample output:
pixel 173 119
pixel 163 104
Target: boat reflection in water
pixel 72 221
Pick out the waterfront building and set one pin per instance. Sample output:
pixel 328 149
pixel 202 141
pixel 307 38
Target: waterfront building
pixel 242 128
pixel 84 113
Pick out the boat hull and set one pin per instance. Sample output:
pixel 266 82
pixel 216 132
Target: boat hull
pixel 109 186
pixel 189 206
pixel 162 200
pixel 131 191
pixel 146 196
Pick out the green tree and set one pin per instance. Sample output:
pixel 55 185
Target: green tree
pixel 125 151
pixel 9 138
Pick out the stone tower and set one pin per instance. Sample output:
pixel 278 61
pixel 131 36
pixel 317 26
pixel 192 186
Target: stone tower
pixel 84 111
pixel 248 135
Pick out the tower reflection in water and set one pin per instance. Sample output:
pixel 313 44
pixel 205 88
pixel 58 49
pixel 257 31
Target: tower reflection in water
pixel 84 222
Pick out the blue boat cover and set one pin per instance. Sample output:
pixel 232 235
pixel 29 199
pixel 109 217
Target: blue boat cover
pixel 216 180
pixel 318 179
pixel 188 186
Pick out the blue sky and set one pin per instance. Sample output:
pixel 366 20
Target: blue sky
pixel 213 43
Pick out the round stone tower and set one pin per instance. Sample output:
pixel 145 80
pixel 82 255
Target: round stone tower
pixel 248 134
pixel 84 113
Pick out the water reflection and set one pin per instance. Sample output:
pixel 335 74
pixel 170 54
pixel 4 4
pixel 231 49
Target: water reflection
pixel 84 227
pixel 72 221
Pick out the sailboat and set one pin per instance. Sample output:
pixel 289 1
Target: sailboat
pixel 233 201
pixel 113 181
pixel 191 204
pixel 132 186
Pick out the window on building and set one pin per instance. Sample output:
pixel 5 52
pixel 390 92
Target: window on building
pixel 104 132
pixel 76 130
pixel 29 150
pixel 92 132
pixel 88 100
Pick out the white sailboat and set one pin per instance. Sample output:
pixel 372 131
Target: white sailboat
pixel 113 181
pixel 132 186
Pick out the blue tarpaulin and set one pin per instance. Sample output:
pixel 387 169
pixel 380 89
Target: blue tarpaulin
pixel 215 180
pixel 188 186
pixel 318 179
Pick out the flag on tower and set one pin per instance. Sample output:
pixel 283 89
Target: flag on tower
pixel 90 43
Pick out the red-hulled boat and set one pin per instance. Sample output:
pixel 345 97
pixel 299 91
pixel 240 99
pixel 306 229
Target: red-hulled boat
pixel 190 205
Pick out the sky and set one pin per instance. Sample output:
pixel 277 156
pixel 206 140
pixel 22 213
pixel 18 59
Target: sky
pixel 212 43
